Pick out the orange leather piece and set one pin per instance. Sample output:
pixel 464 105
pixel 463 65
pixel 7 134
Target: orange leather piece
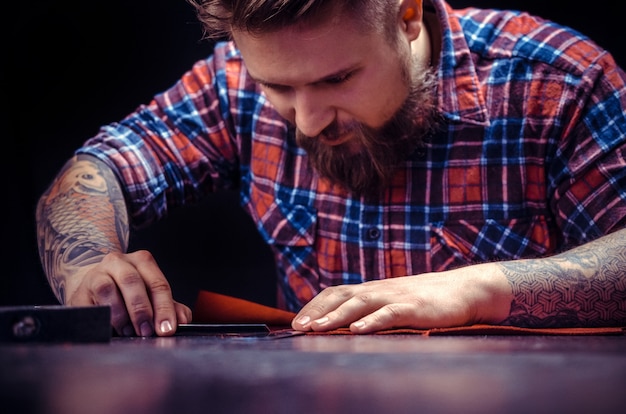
pixel 211 307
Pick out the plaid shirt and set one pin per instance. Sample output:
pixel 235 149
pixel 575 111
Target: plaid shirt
pixel 530 159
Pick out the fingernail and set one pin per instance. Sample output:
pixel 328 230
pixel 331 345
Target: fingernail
pixel 145 329
pixel 322 321
pixel 358 324
pixel 303 320
pixel 166 327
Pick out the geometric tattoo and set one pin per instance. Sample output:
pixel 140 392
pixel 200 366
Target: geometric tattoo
pixel 583 287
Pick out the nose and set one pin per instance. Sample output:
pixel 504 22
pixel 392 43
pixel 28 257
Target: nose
pixel 312 112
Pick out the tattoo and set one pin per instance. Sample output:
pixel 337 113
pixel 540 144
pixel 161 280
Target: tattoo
pixel 583 287
pixel 80 218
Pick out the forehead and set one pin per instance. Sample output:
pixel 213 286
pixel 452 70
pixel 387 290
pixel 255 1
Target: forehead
pixel 302 53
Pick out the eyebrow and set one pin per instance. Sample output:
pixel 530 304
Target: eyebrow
pixel 339 73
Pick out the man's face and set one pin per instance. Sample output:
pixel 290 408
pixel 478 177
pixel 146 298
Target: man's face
pixel 354 98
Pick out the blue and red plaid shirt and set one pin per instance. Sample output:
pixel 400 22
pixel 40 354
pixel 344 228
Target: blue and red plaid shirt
pixel 530 159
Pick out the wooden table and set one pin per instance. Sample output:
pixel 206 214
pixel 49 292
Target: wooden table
pixel 318 374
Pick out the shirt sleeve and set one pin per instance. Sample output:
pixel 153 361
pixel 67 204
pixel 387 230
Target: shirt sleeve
pixel 180 146
pixel 588 175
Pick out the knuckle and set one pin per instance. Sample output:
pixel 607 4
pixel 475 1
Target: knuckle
pixel 142 256
pixel 164 306
pixel 138 306
pixel 339 292
pixel 130 278
pixel 159 285
pixel 104 287
pixel 394 311
pixel 389 315
pixel 112 257
pixel 332 290
pixel 364 298
pixel 316 308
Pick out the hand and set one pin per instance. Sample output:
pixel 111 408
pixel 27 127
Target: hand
pixel 475 294
pixel 136 290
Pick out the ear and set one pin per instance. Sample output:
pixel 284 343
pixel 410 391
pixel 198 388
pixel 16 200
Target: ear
pixel 410 18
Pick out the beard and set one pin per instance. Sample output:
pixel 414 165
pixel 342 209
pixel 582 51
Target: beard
pixel 367 170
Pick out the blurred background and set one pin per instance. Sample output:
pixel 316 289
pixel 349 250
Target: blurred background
pixel 70 66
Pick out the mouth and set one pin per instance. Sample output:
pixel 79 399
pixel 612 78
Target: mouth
pixel 335 140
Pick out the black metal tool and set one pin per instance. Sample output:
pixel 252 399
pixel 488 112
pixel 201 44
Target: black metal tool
pixel 234 330
pixel 238 329
pixel 55 324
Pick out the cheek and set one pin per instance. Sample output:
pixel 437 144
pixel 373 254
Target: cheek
pixel 378 105
pixel 378 96
pixel 389 98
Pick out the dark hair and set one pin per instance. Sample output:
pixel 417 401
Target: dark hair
pixel 220 17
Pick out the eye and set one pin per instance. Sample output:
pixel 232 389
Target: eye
pixel 275 87
pixel 339 78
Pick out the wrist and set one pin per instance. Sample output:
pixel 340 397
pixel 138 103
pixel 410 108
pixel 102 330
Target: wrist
pixel 492 294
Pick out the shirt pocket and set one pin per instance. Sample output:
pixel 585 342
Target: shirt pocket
pixel 465 242
pixel 282 223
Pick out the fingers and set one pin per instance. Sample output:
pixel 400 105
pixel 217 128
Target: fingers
pixel 162 312
pixel 388 317
pixel 326 301
pixel 136 290
pixel 98 287
pixel 183 313
pixel 364 314
pixel 152 309
pixel 335 307
pixel 406 302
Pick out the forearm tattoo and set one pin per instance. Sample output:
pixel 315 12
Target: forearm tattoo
pixel 583 287
pixel 80 218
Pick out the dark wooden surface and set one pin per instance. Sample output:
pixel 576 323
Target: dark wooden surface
pixel 319 374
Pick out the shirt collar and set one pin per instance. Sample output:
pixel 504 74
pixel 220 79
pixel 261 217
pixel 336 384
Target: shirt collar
pixel 459 94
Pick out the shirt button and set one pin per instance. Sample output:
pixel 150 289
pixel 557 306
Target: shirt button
pixel 373 233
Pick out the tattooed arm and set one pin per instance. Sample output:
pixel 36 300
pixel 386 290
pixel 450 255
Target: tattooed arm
pixel 82 230
pixel 583 287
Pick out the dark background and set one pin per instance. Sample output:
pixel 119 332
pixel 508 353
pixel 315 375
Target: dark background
pixel 70 66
